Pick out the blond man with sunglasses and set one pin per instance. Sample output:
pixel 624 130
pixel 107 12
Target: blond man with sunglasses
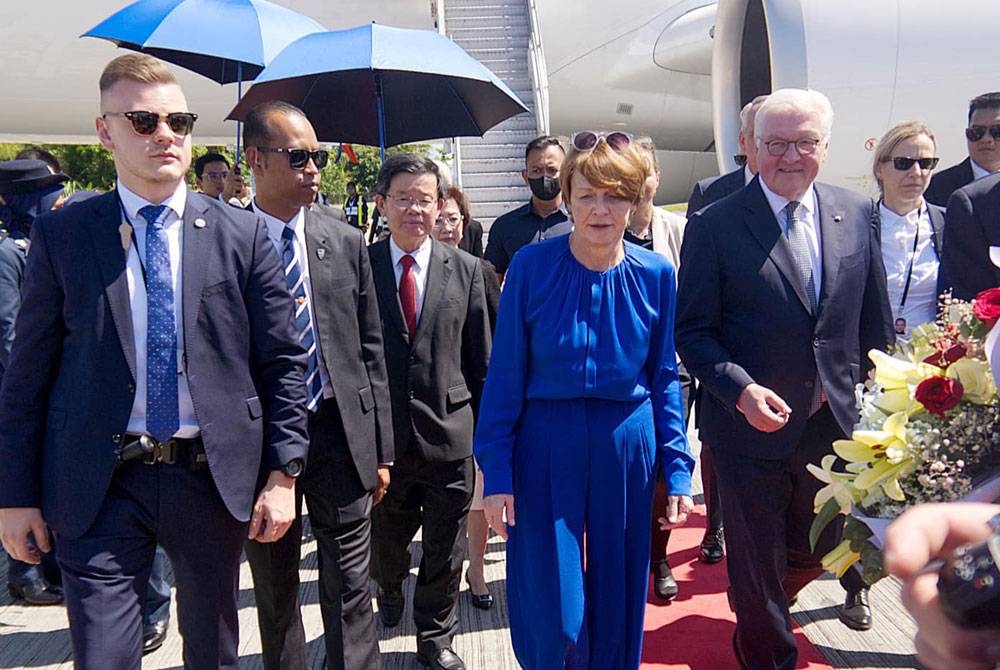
pixel 155 328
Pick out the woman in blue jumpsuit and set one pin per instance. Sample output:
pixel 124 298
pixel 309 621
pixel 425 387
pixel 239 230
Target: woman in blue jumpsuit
pixel 582 402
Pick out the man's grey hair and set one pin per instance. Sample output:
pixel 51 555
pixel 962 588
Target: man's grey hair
pixel 749 113
pixel 796 100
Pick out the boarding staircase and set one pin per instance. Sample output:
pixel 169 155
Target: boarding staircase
pixel 501 34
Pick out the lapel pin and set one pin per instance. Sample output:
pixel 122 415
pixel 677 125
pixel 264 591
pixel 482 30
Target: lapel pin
pixel 837 218
pixel 321 253
pixel 199 223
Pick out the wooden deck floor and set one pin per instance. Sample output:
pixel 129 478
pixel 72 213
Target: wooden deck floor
pixel 38 637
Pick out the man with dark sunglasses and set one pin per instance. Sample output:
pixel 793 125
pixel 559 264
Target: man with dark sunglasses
pixel 350 426
pixel 982 137
pixel 155 330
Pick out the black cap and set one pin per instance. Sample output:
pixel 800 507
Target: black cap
pixel 26 175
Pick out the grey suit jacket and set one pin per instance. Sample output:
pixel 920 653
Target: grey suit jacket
pixel 743 315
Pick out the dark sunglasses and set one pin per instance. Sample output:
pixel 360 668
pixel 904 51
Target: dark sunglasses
pixel 976 133
pixel 299 158
pixel 145 123
pixel 586 140
pixel 904 163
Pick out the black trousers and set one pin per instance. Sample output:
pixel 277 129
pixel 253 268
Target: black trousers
pixel 768 507
pixel 340 516
pixel 435 495
pixel 105 571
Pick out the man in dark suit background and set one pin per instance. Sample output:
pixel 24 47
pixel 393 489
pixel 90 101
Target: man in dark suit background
pixel 155 329
pixel 970 248
pixel 437 346
pixel 983 140
pixel 707 191
pixel 350 424
pixel 782 293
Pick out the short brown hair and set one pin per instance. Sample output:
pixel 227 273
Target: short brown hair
pixel 623 172
pixel 137 67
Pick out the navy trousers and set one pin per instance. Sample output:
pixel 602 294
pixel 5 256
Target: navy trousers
pixel 581 467
pixel 106 570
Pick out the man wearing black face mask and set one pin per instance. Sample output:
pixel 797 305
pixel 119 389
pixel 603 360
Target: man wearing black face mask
pixel 543 217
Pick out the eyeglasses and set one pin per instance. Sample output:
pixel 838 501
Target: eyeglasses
pixel 587 140
pixel 804 147
pixel 443 222
pixel 405 202
pixel 216 175
pixel 976 133
pixel 299 158
pixel 904 163
pixel 145 123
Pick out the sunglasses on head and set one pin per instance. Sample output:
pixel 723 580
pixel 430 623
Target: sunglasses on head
pixel 145 123
pixel 904 163
pixel 976 133
pixel 299 158
pixel 586 140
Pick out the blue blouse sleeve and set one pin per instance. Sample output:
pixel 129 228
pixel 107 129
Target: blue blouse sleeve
pixel 665 394
pixel 506 382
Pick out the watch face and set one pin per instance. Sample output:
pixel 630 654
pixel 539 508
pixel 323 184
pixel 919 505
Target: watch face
pixel 293 468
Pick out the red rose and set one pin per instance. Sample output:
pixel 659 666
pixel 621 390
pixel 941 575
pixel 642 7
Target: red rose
pixel 986 306
pixel 939 394
pixel 947 353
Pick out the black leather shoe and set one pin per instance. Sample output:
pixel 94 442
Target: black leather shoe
pixel 482 601
pixel 664 585
pixel 856 612
pixel 154 634
pixel 35 592
pixel 390 606
pixel 712 546
pixel 443 659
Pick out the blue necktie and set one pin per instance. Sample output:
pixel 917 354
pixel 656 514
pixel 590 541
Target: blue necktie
pixel 303 323
pixel 162 413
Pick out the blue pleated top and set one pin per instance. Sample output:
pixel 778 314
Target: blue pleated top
pixel 566 332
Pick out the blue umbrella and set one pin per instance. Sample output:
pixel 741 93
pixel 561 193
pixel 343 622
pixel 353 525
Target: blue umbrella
pixel 384 86
pixel 224 40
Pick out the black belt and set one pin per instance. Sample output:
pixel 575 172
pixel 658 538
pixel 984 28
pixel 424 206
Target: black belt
pixel 146 449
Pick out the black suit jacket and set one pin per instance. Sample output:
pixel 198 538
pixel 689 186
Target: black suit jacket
pixel 972 226
pixel 435 381
pixel 472 239
pixel 946 182
pixel 345 307
pixel 709 190
pixel 743 315
pixel 68 392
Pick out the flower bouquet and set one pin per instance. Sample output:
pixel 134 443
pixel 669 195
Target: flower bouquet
pixel 929 431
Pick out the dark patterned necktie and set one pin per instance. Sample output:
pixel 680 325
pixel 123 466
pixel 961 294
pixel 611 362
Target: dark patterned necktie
pixel 303 322
pixel 162 413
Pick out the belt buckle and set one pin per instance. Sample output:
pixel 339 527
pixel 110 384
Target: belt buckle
pixel 168 452
pixel 158 452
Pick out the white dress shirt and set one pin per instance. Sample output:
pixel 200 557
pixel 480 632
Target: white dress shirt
pixel 275 227
pixel 808 220
pixel 978 171
pixel 131 203
pixel 898 236
pixel 422 256
pixel 748 175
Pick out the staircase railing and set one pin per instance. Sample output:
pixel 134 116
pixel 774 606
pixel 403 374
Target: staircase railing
pixel 539 72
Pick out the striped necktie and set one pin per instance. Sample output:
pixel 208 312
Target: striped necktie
pixel 303 322
pixel 162 410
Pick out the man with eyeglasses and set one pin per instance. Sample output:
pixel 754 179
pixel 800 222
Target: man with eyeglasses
pixel 155 330
pixel 350 428
pixel 983 140
pixel 214 178
pixel 543 217
pixel 781 294
pixel 437 346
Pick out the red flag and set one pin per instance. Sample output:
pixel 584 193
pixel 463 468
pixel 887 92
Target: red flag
pixel 349 150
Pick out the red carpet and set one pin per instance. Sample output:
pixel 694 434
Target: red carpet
pixel 695 631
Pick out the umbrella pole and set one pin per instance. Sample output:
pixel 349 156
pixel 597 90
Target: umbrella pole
pixel 381 116
pixel 239 96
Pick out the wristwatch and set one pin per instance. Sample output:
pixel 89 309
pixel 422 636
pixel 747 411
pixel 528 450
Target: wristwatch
pixel 292 468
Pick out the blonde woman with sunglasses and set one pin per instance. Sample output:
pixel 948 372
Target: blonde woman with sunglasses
pixel 573 424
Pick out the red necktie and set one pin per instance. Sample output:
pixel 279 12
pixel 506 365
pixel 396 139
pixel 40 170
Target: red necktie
pixel 408 294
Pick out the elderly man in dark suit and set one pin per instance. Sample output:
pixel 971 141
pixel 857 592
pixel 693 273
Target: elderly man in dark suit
pixel 707 191
pixel 155 330
pixel 782 292
pixel 350 428
pixel 437 347
pixel 983 140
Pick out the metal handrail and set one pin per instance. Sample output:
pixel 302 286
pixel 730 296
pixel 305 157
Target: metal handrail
pixel 539 72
